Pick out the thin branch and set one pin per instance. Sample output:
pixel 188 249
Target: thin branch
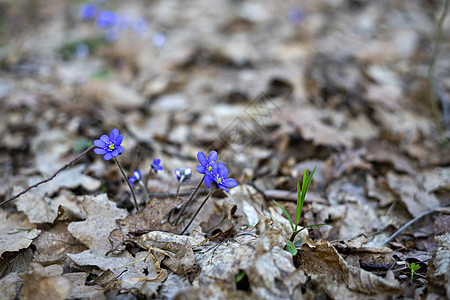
pixel 412 222
pixel 49 178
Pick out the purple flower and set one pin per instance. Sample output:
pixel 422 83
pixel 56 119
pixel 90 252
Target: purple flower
pixel 87 11
pixel 218 174
pixel 156 165
pixel 136 177
pixel 205 163
pixel 183 174
pixel 106 18
pixel 109 146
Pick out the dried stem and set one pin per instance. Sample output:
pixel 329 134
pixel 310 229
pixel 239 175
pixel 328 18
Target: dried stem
pixel 49 178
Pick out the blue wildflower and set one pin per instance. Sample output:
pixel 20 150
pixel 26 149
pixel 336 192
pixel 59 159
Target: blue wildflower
pixel 205 163
pixel 183 174
pixel 106 18
pixel 109 146
pixel 156 165
pixel 136 177
pixel 159 40
pixel 87 11
pixel 140 26
pixel 218 174
pixel 296 16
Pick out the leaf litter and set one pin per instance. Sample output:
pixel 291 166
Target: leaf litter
pixel 275 90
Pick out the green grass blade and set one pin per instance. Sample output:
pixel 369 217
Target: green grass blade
pixel 285 212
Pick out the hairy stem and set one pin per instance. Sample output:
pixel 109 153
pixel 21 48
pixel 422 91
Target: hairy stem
pixel 129 185
pixel 189 201
pixel 198 210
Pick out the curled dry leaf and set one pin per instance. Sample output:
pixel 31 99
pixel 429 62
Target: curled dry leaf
pixel 416 200
pixel 15 233
pixel 150 217
pixel 100 221
pixel 37 285
pixel 321 260
pixel 182 262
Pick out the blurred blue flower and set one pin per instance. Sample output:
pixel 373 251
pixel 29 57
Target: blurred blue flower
pixel 87 11
pixel 106 19
pixel 218 174
pixel 159 40
pixel 156 165
pixel 109 146
pixel 136 177
pixel 205 163
pixel 296 15
pixel 183 174
pixel 82 50
pixel 140 26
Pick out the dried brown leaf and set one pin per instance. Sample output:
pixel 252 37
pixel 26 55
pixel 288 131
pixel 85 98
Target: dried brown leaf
pixel 150 217
pixel 100 221
pixel 80 290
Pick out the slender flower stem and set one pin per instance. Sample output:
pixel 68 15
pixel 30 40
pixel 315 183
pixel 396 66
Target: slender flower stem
pixel 179 185
pixel 198 210
pixel 49 178
pixel 129 185
pixel 147 197
pixel 189 201
pixel 147 178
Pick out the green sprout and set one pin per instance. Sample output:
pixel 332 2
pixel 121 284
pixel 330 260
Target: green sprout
pixel 413 267
pixel 301 195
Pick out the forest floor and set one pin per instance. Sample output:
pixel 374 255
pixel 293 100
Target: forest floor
pixel 275 87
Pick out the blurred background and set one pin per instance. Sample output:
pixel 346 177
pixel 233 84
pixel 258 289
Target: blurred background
pixel 273 86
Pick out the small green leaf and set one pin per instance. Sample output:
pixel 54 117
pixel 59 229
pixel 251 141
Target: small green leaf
pixel 240 276
pixel 285 212
pixel 414 267
pixel 290 247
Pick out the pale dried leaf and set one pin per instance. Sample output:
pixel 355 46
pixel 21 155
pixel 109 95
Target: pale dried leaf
pixel 52 245
pixel 10 285
pixel 81 290
pixel 100 221
pixel 12 237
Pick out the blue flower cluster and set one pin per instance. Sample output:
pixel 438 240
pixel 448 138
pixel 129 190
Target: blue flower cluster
pixel 112 22
pixel 214 171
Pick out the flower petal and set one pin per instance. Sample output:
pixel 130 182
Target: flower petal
pixel 108 156
pixel 119 140
pixel 223 187
pixel 212 156
pixel 99 143
pixel 208 181
pixel 230 182
pixel 223 171
pixel 120 149
pixel 105 139
pixel 100 151
pixel 115 153
pixel 202 158
pixel 114 134
pixel 200 169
